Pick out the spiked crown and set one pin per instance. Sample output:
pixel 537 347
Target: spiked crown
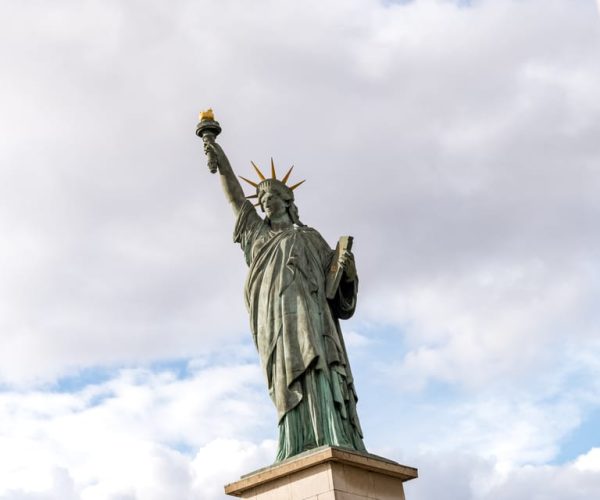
pixel 266 184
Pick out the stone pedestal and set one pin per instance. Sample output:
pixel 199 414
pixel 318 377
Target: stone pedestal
pixel 326 474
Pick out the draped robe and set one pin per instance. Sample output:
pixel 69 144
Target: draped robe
pixel 297 334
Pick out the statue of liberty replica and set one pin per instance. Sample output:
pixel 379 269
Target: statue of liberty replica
pixel 297 290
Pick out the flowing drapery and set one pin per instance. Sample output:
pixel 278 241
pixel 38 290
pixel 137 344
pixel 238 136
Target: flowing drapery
pixel 297 334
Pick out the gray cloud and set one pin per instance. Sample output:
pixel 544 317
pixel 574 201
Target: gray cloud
pixel 448 141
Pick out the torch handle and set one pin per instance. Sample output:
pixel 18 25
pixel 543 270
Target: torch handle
pixel 213 164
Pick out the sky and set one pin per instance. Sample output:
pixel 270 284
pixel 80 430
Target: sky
pixel 457 141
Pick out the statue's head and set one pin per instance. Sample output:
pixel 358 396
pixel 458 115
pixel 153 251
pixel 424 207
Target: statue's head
pixel 275 196
pixel 274 187
pixel 275 199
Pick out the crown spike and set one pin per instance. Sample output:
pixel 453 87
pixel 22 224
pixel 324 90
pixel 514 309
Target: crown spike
pixel 298 184
pixel 249 181
pixel 273 175
pixel 287 176
pixel 260 174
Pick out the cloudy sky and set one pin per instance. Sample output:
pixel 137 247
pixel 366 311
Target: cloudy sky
pixel 457 141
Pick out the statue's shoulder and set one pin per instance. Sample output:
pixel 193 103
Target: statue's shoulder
pixel 313 235
pixel 307 230
pixel 248 223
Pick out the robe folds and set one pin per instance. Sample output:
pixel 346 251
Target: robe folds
pixel 297 334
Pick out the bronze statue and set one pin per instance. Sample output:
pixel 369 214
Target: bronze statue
pixel 293 318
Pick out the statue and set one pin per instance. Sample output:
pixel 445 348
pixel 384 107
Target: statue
pixel 294 318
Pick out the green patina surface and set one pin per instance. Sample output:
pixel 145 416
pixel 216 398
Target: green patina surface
pixel 295 327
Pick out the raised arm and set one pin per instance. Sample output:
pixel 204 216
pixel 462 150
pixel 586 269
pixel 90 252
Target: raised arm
pixel 231 186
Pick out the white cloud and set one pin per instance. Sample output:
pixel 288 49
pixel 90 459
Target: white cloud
pixel 355 340
pixel 590 461
pixel 468 477
pixel 223 461
pixel 145 435
pixel 141 434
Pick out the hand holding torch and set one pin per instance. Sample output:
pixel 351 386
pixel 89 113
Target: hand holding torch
pixel 208 129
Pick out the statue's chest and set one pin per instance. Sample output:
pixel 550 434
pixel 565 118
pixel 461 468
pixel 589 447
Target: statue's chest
pixel 268 243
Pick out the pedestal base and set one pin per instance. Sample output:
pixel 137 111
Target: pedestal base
pixel 326 474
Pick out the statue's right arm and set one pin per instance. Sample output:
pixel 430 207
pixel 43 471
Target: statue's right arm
pixel 231 186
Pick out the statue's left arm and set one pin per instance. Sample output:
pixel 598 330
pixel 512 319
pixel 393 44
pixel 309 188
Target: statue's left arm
pixel 348 264
pixel 344 302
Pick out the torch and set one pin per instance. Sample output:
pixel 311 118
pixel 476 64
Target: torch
pixel 209 129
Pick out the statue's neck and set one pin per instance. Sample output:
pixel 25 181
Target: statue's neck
pixel 281 223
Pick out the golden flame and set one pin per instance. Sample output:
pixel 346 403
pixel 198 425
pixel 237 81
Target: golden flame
pixel 207 115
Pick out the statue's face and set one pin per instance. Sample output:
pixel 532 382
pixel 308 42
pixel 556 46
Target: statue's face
pixel 273 204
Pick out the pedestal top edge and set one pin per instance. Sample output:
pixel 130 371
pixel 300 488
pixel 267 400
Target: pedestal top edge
pixel 321 455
